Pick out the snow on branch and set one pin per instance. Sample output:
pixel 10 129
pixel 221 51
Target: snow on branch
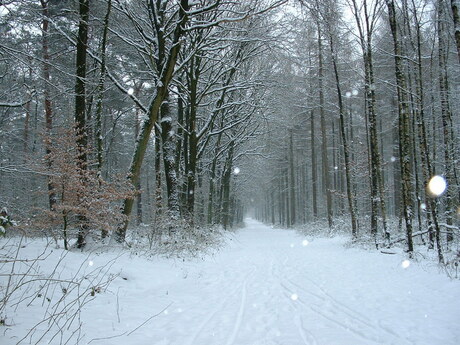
pixel 13 105
pixel 240 16
pixel 109 74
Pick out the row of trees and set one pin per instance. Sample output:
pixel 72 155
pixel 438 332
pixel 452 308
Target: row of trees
pixel 163 92
pixel 371 116
pixel 300 110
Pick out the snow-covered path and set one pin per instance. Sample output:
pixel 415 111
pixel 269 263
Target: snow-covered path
pixel 273 287
pixel 267 287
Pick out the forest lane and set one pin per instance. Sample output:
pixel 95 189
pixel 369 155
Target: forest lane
pixel 272 286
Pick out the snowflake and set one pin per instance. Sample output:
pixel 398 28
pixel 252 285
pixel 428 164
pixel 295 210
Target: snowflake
pixel 405 264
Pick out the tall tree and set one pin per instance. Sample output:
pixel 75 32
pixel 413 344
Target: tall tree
pixel 328 18
pixel 324 148
pixel 366 17
pixel 101 88
pixel 46 94
pixel 80 84
pixel 166 62
pixel 455 5
pixel 446 115
pixel 80 98
pixel 404 128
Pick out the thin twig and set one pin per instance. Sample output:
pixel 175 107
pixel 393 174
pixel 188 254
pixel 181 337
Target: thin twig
pixel 150 318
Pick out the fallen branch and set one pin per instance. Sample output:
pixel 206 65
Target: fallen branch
pixel 387 252
pixel 415 234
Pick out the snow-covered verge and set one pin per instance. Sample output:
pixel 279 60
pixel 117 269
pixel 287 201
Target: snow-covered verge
pixel 266 286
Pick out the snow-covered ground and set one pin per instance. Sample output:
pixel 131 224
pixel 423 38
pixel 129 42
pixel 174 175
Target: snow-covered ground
pixel 267 286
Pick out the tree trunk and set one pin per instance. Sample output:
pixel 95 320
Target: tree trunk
pixel 168 148
pixel 158 179
pixel 292 185
pixel 193 77
pixel 80 85
pixel 404 129
pixel 100 90
pixel 212 181
pixel 80 102
pixel 366 26
pixel 46 94
pixel 167 71
pixel 455 5
pixel 427 170
pixel 226 187
pixel 324 154
pixel 446 117
pixel 138 184
pixel 346 151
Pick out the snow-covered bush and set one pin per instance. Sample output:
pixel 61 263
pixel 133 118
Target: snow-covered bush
pixel 175 238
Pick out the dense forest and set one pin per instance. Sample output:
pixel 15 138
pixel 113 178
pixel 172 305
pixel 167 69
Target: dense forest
pixel 173 116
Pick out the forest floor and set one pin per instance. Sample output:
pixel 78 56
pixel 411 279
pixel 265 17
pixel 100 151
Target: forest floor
pixel 266 286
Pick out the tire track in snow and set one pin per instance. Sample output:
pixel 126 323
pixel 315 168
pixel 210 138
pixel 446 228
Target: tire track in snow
pixel 220 307
pixel 307 337
pixel 330 308
pixel 327 316
pixel 332 313
pixel 331 317
pixel 209 318
pixel 328 298
pixel 239 317
pixel 354 314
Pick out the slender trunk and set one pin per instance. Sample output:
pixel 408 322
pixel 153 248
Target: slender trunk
pixel 100 90
pixel 280 199
pixel 324 154
pixel 423 144
pixel 193 78
pixel 366 26
pixel 404 128
pixel 446 117
pixel 100 97
pixel 65 221
pixel 455 5
pixel 138 184
pixel 168 148
pixel 292 180
pixel 212 181
pixel 46 94
pixel 377 188
pixel 158 179
pixel 226 186
pixel 27 120
pixel 80 85
pixel 351 203
pixel 180 128
pixel 80 102
pixel 314 171
pixel 287 201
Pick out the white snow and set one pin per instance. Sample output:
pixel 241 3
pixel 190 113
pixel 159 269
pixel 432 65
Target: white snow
pixel 267 286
